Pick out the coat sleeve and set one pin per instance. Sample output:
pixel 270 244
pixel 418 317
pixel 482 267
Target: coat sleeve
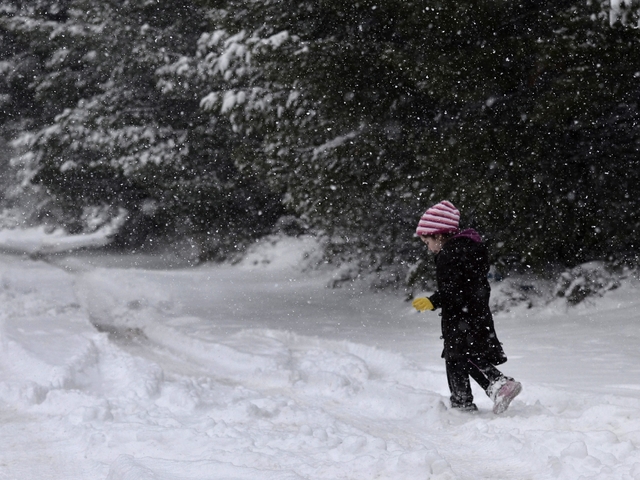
pixel 435 300
pixel 452 279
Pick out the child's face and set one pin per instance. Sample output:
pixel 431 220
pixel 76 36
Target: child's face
pixel 433 242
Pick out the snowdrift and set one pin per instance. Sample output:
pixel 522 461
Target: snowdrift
pixel 259 372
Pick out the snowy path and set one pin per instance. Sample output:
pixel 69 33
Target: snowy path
pixel 259 373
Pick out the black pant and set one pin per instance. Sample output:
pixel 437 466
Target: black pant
pixel 458 373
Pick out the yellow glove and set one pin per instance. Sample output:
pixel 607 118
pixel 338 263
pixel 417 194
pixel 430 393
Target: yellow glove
pixel 422 303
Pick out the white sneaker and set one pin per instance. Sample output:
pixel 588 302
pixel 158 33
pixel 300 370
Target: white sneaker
pixel 502 392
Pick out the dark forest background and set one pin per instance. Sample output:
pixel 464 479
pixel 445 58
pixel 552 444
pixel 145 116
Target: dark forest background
pixel 221 121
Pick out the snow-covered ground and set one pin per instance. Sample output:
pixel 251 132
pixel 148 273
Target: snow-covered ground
pixel 119 368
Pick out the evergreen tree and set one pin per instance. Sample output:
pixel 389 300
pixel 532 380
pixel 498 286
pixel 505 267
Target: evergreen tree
pixel 556 149
pixel 369 112
pixel 115 137
pixel 359 115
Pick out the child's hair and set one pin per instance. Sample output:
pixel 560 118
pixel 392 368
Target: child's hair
pixel 445 235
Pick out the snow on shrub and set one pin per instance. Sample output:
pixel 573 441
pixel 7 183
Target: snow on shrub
pixel 586 280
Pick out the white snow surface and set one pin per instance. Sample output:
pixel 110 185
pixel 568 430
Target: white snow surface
pixel 120 368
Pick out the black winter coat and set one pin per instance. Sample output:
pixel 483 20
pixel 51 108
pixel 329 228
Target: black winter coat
pixel 463 293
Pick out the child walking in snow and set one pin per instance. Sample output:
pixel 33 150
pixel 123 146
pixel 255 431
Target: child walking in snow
pixel 471 346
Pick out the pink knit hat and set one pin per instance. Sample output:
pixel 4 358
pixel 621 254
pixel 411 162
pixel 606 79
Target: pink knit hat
pixel 441 218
